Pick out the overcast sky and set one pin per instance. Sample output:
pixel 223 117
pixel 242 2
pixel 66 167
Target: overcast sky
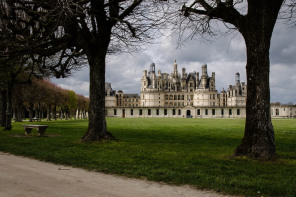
pixel 224 55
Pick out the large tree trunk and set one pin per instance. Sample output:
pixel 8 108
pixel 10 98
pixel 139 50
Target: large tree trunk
pixel 31 110
pixel 3 107
pixel 9 108
pixel 19 111
pixel 259 140
pixel 48 112
pixel 55 112
pixel 97 127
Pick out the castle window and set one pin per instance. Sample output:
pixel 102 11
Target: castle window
pixel 230 112
pixel 141 112
pixel 157 111
pixel 115 112
pixel 174 111
pixel 277 112
pixel 132 112
pixel 165 111
pixel 149 112
pixel 213 112
pixel 182 97
pixel 238 112
pixel 179 112
pixel 198 112
pixel 206 112
pixel 178 97
pixel 213 103
pixel 222 112
pixel 213 96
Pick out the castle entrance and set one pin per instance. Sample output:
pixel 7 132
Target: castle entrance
pixel 123 113
pixel 188 113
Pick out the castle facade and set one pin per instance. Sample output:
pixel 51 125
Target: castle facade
pixel 180 95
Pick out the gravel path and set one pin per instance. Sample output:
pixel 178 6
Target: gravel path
pixel 24 177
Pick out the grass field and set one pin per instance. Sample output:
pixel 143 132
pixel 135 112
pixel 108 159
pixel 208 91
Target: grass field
pixel 176 151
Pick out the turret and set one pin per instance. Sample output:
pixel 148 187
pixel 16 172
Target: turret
pixel 152 68
pixel 175 66
pixel 145 73
pixel 183 72
pixel 197 80
pixel 237 78
pixel 175 73
pixel 204 70
pixel 213 85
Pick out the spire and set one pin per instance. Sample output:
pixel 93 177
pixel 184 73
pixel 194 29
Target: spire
pixel 175 67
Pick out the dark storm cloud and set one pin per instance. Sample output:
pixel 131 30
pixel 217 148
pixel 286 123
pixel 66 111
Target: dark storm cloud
pixel 283 45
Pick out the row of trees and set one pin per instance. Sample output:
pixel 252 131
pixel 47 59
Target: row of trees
pixel 56 34
pixel 40 98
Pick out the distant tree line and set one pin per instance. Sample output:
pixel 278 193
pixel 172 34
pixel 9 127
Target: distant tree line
pixel 42 99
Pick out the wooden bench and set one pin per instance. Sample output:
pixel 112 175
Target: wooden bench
pixel 40 128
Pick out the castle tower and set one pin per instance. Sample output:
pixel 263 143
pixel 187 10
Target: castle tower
pixel 204 77
pixel 237 78
pixel 175 66
pixel 183 72
pixel 204 70
pixel 223 98
pixel 197 80
pixel 175 73
pixel 213 85
pixel 152 70
pixel 237 84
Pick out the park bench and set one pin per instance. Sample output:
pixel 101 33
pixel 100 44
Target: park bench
pixel 40 128
pixel 35 119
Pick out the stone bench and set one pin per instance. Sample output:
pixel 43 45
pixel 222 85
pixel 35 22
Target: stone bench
pixel 35 119
pixel 40 128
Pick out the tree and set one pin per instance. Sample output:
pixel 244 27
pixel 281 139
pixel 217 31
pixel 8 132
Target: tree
pixel 74 28
pixel 72 102
pixel 256 27
pixel 16 71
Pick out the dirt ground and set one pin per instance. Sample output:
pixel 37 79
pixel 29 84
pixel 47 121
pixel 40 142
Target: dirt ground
pixel 24 177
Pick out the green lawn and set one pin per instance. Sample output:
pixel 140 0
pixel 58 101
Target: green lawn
pixel 175 151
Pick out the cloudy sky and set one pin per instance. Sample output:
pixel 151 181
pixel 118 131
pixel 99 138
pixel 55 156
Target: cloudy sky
pixel 225 56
